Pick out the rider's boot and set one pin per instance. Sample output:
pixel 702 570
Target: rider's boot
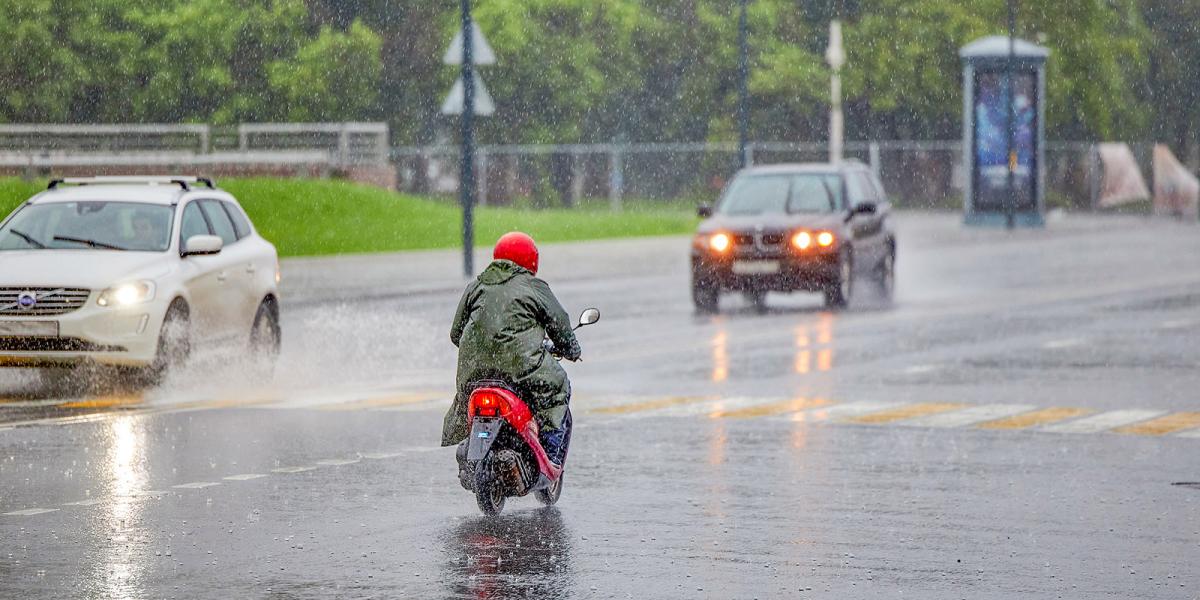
pixel 556 442
pixel 466 476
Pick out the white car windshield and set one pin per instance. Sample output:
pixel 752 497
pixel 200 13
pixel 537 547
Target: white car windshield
pixel 758 194
pixel 89 225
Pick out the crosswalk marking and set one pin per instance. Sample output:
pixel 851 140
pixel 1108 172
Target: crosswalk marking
pixel 647 405
pixel 970 416
pixel 1037 417
pixel 1164 425
pixel 774 408
pixel 1103 421
pixel 906 412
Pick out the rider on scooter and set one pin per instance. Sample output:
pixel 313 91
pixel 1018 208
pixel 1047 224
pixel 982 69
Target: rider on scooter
pixel 503 318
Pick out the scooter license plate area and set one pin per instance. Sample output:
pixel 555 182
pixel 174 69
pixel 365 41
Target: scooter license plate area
pixel 484 431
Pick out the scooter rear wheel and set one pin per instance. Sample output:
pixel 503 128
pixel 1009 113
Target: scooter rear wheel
pixel 550 495
pixel 489 493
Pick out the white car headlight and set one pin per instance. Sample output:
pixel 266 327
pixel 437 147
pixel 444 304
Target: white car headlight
pixel 127 294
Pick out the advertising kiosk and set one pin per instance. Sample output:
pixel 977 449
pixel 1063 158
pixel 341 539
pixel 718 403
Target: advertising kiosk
pixel 988 199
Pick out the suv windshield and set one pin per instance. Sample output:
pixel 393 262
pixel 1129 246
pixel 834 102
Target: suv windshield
pixel 758 194
pixel 95 225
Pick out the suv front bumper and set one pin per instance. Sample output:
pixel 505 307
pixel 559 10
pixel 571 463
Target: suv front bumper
pixel 126 336
pixel 810 272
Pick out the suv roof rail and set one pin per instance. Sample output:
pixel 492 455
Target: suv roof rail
pixel 181 181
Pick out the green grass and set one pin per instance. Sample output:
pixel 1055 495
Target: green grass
pixel 309 217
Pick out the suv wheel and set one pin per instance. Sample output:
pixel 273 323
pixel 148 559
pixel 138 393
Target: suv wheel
pixel 885 275
pixel 837 295
pixel 705 296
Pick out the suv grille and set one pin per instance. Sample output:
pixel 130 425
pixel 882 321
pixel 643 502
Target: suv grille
pixel 770 240
pixel 15 301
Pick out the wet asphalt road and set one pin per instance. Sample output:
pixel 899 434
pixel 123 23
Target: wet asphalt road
pixel 1012 425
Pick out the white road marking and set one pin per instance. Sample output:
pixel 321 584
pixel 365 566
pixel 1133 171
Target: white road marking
pixel 292 469
pixel 704 408
pixel 147 493
pixel 1059 344
pixel 1190 433
pixel 337 462
pixel 850 409
pixel 919 369
pixel 1103 421
pixel 245 477
pixel 381 455
pixel 969 416
pixel 89 502
pixel 195 485
pixel 1178 324
pixel 29 512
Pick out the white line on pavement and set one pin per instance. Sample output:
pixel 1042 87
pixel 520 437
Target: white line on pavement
pixel 969 416
pixel 1190 433
pixel 380 455
pixel 919 369
pixel 292 469
pixel 195 485
pixel 29 512
pixel 704 408
pixel 244 477
pixel 337 462
pixel 1059 344
pixel 850 409
pixel 88 502
pixel 1103 421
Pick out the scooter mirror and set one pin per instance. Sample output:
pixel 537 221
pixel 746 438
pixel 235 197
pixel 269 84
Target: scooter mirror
pixel 589 316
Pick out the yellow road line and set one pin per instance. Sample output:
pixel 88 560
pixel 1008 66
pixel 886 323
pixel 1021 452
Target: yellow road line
pixel 369 403
pixel 655 404
pixel 906 412
pixel 1163 425
pixel 1037 417
pixel 776 408
pixel 105 402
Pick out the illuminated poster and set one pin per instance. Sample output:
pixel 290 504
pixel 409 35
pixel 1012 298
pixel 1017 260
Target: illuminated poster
pixel 991 141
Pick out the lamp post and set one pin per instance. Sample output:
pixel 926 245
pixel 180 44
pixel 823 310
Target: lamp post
pixel 1011 205
pixel 743 87
pixel 835 55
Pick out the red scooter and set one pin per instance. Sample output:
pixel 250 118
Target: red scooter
pixel 504 455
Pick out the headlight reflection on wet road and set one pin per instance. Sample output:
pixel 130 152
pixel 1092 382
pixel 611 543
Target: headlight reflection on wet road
pixel 117 558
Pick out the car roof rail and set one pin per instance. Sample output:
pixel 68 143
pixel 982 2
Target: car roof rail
pixel 183 182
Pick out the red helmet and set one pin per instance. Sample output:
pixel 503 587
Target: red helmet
pixel 519 248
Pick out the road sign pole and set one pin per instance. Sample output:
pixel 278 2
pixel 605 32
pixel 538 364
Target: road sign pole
pixel 466 182
pixel 743 89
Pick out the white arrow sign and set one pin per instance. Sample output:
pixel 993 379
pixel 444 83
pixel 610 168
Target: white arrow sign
pixel 483 100
pixel 481 52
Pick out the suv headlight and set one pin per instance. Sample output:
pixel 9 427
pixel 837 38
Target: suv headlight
pixel 127 294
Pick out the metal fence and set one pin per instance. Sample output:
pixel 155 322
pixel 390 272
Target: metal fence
pixel 917 174
pixel 334 144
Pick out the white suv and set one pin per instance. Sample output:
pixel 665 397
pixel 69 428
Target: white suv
pixel 131 271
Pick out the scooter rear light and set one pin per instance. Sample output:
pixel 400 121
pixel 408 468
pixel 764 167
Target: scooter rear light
pixel 486 412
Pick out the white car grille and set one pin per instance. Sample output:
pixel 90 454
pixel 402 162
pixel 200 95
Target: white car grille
pixel 40 301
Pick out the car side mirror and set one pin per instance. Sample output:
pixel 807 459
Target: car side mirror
pixel 588 317
pixel 705 211
pixel 199 245
pixel 864 208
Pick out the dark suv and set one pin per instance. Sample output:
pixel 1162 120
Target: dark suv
pixel 795 227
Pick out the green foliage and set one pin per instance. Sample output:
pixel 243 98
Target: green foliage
pixel 333 75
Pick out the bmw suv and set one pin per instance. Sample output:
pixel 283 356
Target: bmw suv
pixel 795 227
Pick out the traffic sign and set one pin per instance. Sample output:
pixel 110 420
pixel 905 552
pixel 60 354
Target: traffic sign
pixel 481 52
pixel 453 104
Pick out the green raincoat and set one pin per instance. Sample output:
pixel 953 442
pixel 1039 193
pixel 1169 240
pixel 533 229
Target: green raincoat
pixel 501 321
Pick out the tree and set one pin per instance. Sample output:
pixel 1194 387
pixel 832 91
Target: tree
pixel 333 75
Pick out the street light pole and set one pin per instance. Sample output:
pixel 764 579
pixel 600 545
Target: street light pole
pixel 1011 207
pixel 836 56
pixel 466 182
pixel 743 87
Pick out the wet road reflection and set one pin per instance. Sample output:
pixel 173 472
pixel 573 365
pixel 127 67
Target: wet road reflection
pixel 720 354
pixel 523 554
pixel 117 572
